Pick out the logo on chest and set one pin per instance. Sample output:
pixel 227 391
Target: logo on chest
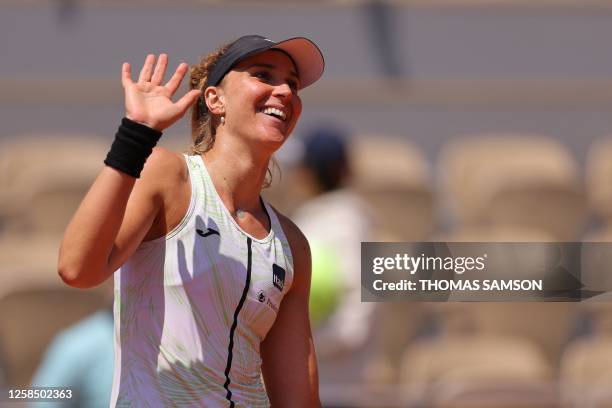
pixel 278 277
pixel 208 232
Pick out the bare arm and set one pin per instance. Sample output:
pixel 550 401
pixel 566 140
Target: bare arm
pixel 118 211
pixel 289 362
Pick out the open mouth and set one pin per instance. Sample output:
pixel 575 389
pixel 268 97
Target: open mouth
pixel 274 112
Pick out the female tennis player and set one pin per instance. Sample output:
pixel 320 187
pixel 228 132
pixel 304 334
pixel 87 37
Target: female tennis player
pixel 211 283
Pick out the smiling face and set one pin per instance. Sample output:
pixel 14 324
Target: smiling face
pixel 259 98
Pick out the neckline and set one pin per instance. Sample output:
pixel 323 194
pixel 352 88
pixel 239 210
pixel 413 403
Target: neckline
pixel 208 180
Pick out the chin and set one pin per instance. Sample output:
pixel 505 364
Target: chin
pixel 274 144
pixel 273 138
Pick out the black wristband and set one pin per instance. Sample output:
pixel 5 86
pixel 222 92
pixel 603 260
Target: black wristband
pixel 133 144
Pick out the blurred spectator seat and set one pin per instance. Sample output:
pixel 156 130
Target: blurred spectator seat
pixel 396 324
pixel 599 188
pixel 599 178
pixel 502 263
pixel 556 209
pixel 430 365
pixel 484 392
pixel 394 177
pixel 43 179
pixel 597 276
pixel 29 319
pixel 513 179
pixel 586 373
pixel 546 324
pixel 598 310
pixel 495 233
pixel 602 235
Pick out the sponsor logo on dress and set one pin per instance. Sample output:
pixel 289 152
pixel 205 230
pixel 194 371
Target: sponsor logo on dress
pixel 208 232
pixel 261 296
pixel 278 277
pixel 272 305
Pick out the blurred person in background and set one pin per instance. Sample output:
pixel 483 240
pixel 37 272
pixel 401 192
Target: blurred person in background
pixel 204 261
pixel 80 359
pixel 335 221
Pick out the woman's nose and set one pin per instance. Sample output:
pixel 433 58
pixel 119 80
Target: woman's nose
pixel 283 90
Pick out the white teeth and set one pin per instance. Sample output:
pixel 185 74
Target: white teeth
pixel 274 112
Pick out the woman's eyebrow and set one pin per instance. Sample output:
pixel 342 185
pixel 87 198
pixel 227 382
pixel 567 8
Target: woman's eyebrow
pixel 271 66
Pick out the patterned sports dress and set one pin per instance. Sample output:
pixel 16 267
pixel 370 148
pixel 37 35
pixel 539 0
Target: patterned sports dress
pixel 192 308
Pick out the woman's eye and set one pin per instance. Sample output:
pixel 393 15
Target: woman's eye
pixel 262 75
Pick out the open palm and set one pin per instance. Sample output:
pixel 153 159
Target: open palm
pixel 148 101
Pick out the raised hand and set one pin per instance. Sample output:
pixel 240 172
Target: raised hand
pixel 148 101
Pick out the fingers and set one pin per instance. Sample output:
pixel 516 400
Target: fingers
pixel 176 79
pixel 187 100
pixel 126 75
pixel 160 69
pixel 147 69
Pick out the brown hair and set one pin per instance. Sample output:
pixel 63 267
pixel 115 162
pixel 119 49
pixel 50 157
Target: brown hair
pixel 203 128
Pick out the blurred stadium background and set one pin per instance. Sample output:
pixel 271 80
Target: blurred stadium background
pixel 469 120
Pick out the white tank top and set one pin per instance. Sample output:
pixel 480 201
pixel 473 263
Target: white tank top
pixel 192 308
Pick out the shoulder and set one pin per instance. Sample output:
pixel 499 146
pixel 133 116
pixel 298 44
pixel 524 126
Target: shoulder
pixel 164 175
pixel 166 180
pixel 165 166
pixel 297 239
pixel 300 248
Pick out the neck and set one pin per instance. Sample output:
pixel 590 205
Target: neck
pixel 237 173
